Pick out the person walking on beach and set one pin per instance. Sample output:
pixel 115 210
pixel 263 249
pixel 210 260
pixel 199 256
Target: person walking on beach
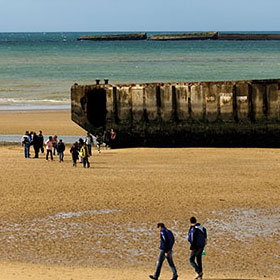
pixel 166 243
pixel 197 237
pixel 41 141
pixel 85 155
pixel 60 150
pixel 80 145
pixel 75 153
pixel 89 142
pixel 35 143
pixel 54 142
pixel 98 143
pixel 25 141
pixel 112 138
pixel 106 138
pixel 49 146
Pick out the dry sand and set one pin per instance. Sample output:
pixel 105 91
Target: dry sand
pixel 61 222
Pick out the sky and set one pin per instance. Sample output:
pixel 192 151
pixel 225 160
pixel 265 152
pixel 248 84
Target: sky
pixel 140 15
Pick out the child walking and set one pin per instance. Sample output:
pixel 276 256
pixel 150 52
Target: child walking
pixel 75 153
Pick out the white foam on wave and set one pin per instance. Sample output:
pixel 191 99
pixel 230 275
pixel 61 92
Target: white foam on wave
pixel 21 101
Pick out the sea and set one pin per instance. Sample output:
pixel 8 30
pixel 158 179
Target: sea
pixel 37 70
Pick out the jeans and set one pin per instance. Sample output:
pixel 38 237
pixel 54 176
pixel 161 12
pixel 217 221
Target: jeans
pixel 26 150
pixel 161 258
pixel 54 149
pixel 47 156
pixel 196 254
pixel 61 156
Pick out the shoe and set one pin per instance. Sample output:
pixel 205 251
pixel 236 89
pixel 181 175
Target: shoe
pixel 199 276
pixel 175 278
pixel 153 277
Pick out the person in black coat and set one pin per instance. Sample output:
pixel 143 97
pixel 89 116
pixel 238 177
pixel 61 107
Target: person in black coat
pixel 41 141
pixel 60 150
pixel 36 145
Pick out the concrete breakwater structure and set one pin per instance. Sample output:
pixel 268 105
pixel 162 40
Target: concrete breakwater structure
pixel 215 36
pixel 217 113
pixel 109 37
pixel 183 36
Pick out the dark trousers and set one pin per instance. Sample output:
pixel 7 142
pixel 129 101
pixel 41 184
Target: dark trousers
pixel 47 156
pixel 196 259
pixel 86 162
pixel 36 150
pixel 89 149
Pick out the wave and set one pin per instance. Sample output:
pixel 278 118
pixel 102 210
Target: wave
pixel 20 101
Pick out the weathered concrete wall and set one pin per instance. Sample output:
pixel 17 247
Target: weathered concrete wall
pixel 130 36
pixel 226 113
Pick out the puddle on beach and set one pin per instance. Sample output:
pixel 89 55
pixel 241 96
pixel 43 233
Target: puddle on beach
pixel 74 239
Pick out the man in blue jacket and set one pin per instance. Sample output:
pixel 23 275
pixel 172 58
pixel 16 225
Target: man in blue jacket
pixel 26 141
pixel 166 243
pixel 197 237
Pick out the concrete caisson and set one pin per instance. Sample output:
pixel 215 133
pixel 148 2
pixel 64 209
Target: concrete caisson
pixel 217 113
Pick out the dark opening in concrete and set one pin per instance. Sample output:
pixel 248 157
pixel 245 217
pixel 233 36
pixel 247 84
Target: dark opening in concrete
pixel 96 107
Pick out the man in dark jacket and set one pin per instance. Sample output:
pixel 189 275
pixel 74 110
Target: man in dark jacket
pixel 60 150
pixel 36 145
pixel 166 243
pixel 197 237
pixel 41 141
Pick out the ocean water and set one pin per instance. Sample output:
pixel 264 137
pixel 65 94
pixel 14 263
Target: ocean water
pixel 40 68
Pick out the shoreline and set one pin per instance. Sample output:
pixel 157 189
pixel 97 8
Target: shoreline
pixel 33 107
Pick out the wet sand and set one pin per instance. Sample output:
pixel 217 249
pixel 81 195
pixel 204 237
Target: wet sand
pixel 61 222
pixel 51 123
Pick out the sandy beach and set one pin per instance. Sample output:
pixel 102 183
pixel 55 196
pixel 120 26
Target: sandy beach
pixel 55 122
pixel 61 222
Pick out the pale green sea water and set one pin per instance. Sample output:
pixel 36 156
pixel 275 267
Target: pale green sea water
pixel 40 68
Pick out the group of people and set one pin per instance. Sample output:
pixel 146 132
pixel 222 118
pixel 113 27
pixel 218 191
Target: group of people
pixel 53 146
pixel 32 139
pixel 80 150
pixel 107 140
pixel 197 237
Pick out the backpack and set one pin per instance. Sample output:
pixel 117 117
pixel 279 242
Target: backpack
pixel 83 152
pixel 202 236
pixel 25 140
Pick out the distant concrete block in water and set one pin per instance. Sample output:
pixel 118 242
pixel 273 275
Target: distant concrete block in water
pixel 109 37
pixel 185 36
pixel 218 113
